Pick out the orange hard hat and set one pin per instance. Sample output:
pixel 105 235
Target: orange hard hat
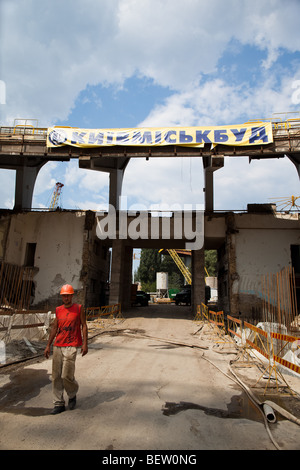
pixel 66 289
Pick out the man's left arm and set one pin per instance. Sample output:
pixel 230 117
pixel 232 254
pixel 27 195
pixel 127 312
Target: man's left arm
pixel 84 347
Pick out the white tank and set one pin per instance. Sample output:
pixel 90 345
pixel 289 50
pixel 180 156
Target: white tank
pixel 161 281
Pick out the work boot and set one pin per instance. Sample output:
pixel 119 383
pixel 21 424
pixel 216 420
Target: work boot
pixel 58 409
pixel 72 403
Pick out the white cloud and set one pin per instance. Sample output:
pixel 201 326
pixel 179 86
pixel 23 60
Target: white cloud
pixel 52 51
pixel 164 181
pixel 45 181
pixel 7 188
pixel 216 102
pixel 271 26
pixel 77 178
pixel 77 182
pixel 261 181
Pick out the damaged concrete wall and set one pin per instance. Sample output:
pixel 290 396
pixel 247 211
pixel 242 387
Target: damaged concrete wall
pixel 56 239
pixel 4 229
pixel 63 247
pixel 256 244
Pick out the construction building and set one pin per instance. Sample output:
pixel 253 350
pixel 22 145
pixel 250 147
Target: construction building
pixel 64 246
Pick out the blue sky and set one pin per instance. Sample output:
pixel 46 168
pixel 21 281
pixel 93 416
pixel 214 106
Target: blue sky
pixel 135 63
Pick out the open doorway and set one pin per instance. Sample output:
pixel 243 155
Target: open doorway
pixel 211 278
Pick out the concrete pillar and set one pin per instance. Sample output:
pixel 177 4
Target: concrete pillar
pixel 121 274
pixel 127 277
pixel 210 164
pixel 115 187
pixel 117 267
pixel 232 274
pixel 198 279
pixel 25 181
pixel 209 190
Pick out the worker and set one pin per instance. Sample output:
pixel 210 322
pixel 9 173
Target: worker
pixel 70 332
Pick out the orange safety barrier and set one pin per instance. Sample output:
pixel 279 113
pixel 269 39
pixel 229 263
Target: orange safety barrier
pixel 114 311
pixel 286 339
pixel 198 316
pixel 204 309
pixel 202 313
pixel 261 346
pixel 234 322
pixel 261 341
pixel 217 318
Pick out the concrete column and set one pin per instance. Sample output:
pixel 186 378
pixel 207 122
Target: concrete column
pixel 232 274
pixel 209 190
pixel 25 181
pixel 121 274
pixel 115 187
pixel 117 267
pixel 127 277
pixel 198 279
pixel 210 164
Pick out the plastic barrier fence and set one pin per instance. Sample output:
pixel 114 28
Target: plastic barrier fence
pixel 286 339
pixel 202 313
pixel 233 325
pixel 113 311
pixel 260 342
pixel 216 318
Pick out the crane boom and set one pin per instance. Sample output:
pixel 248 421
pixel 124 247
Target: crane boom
pixel 183 268
pixel 55 197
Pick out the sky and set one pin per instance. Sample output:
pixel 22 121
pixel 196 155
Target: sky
pixel 151 63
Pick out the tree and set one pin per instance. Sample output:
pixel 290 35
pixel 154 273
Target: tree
pixel 175 278
pixel 211 262
pixel 150 263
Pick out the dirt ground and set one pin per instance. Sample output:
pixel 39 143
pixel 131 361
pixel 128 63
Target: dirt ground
pixel 155 380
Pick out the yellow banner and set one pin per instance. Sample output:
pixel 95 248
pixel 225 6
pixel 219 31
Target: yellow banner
pixel 235 135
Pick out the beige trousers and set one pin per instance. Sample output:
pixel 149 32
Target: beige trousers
pixel 63 370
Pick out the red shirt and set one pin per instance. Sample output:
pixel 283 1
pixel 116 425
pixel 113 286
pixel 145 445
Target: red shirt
pixel 69 326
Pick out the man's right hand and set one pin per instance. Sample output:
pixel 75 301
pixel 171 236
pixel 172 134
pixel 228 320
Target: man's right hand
pixel 47 352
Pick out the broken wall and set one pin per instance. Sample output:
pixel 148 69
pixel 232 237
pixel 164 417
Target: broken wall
pixel 63 248
pixel 256 244
pixel 57 239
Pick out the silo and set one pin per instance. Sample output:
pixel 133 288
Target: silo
pixel 162 284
